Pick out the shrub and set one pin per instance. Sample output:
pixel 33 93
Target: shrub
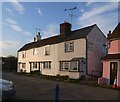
pixel 37 72
pixel 21 70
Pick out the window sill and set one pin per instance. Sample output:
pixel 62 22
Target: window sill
pixel 47 54
pixel 47 68
pixel 73 71
pixel 69 51
pixel 64 70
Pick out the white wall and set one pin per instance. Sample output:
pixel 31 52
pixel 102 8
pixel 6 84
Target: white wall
pixel 57 53
pixel 79 51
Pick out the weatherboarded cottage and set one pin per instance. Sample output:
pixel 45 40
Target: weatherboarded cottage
pixel 111 62
pixel 74 53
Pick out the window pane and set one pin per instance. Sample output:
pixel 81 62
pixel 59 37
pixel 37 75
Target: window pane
pixel 35 65
pixel 61 65
pixel 69 46
pixel 47 65
pixel 74 66
pixel 66 66
pixel 47 50
pixel 23 54
pixel 23 65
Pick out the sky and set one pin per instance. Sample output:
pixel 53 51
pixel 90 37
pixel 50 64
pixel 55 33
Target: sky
pixel 20 20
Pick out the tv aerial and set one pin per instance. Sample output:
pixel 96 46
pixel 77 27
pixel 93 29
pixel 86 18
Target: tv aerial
pixel 71 14
pixel 37 29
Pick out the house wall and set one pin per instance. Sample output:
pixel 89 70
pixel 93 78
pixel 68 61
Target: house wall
pixel 114 47
pixel 79 51
pixel 57 53
pixel 94 65
pixel 40 56
pixel 118 74
pixel 106 70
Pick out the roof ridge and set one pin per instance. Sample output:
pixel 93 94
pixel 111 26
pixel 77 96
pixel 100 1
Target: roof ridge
pixel 85 27
pixel 83 32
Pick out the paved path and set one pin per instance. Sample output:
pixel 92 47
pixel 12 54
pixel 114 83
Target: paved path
pixel 28 88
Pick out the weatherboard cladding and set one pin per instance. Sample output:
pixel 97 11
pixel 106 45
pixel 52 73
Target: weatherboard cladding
pixel 76 34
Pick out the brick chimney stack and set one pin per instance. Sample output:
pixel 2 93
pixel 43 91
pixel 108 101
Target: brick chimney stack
pixel 65 28
pixel 109 33
pixel 38 37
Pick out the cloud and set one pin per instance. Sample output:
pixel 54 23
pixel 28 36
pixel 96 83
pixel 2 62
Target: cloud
pixel 9 11
pixel 102 16
pixel 81 10
pixel 90 2
pixel 8 44
pixel 39 11
pixel 10 21
pixel 14 26
pixel 52 30
pixel 26 33
pixel 17 6
pixel 9 47
pixel 98 10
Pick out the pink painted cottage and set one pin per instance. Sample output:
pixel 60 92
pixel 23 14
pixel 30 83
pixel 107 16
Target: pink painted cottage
pixel 111 62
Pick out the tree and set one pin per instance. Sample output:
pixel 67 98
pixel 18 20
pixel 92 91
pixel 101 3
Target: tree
pixel 9 63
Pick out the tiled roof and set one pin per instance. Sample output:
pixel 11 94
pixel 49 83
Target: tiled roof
pixel 76 34
pixel 111 56
pixel 115 34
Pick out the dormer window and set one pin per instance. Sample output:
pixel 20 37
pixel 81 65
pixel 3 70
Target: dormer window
pixel 69 46
pixel 24 54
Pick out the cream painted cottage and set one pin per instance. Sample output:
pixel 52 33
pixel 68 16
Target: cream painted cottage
pixel 74 53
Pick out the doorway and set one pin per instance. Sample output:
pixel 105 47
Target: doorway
pixel 113 71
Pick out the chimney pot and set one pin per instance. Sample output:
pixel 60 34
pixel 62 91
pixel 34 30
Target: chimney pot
pixel 109 31
pixel 38 33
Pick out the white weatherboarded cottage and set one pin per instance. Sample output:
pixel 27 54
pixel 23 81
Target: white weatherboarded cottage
pixel 74 53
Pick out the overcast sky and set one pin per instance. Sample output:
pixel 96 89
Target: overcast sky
pixel 19 20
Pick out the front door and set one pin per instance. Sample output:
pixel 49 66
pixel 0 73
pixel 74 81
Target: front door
pixel 113 71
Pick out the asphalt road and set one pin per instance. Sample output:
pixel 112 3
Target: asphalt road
pixel 29 88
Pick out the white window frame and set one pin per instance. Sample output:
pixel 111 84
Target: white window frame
pixel 23 65
pixel 63 66
pixel 47 65
pixel 35 65
pixel 34 51
pixel 71 67
pixel 24 54
pixel 69 46
pixel 47 50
